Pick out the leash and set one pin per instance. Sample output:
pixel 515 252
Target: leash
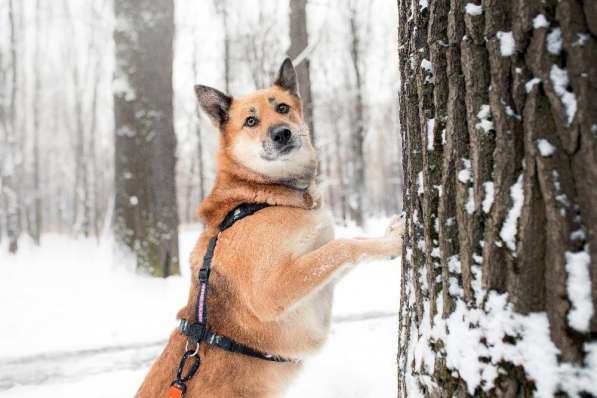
pixel 198 331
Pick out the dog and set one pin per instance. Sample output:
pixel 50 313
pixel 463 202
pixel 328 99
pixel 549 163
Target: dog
pixel 274 272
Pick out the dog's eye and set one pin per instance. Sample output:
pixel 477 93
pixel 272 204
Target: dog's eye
pixel 251 121
pixel 282 108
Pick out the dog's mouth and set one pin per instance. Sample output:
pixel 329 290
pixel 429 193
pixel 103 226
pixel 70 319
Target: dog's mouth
pixel 286 149
pixel 272 153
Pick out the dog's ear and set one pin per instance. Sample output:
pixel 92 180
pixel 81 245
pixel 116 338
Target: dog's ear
pixel 287 78
pixel 215 103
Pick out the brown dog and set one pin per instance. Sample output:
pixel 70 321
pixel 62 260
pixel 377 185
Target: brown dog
pixel 273 272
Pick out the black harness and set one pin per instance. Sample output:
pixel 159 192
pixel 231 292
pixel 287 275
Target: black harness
pixel 197 331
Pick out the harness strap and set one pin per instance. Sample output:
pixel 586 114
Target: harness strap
pixel 198 331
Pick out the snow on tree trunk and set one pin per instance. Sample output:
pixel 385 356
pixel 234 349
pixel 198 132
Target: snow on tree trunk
pixel 146 218
pixel 299 42
pixel 499 134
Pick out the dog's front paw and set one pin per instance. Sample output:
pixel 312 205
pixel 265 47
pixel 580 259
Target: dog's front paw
pixel 396 228
pixel 393 237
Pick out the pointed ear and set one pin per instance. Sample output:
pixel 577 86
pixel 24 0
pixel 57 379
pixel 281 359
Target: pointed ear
pixel 287 78
pixel 215 103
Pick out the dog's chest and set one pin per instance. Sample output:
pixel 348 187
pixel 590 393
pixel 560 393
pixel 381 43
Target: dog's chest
pixel 308 322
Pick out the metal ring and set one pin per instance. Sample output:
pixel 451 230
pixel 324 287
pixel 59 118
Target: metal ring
pixel 186 348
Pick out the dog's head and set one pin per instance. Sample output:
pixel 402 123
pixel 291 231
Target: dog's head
pixel 265 132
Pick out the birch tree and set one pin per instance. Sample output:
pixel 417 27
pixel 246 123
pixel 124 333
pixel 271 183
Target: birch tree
pixel 498 116
pixel 146 218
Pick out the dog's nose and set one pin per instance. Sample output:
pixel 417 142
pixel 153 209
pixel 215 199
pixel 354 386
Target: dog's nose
pixel 281 135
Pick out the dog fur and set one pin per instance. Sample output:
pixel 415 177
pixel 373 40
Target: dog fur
pixel 273 273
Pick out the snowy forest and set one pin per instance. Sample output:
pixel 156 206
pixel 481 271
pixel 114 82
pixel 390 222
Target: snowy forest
pixel 58 99
pixel 473 119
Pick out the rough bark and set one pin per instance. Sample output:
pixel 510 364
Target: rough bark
pixel 146 218
pixel 299 42
pixel 499 138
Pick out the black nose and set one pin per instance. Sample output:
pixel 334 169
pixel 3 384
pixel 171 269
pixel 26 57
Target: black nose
pixel 280 135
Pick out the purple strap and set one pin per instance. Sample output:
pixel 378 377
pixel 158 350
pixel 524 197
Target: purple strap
pixel 201 301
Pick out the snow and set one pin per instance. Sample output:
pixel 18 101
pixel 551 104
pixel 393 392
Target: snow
pixel 473 9
pixel 80 286
pixel 559 78
pixel 420 189
pixel 545 147
pixel 465 174
pixel 489 196
pixel 508 231
pixel 531 83
pixel 84 294
pixel 470 202
pixel 480 333
pixel 579 290
pixel 507 45
pixel 540 22
pixel 484 116
pixel 122 87
pixel 554 41
pixel 430 137
pixel 426 66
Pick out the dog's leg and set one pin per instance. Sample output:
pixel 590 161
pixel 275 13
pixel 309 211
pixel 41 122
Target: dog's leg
pixel 286 285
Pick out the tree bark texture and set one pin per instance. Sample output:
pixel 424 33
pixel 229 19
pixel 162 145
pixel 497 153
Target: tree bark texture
pixel 498 120
pixel 299 41
pixel 146 218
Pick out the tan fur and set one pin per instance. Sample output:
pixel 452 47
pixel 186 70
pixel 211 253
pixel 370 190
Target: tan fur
pixel 273 273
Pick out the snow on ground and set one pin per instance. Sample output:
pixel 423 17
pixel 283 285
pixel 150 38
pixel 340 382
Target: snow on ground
pixel 76 321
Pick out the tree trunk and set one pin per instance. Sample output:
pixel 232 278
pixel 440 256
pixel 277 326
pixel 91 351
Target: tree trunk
pixel 10 164
pixel 37 204
pixel 358 192
pixel 499 140
pixel 222 8
pixel 299 41
pixel 146 218
pixel 200 162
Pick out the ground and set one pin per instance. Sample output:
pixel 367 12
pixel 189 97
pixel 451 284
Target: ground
pixel 77 322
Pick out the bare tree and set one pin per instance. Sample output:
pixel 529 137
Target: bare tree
pixel 222 9
pixel 146 218
pixel 299 42
pixel 37 222
pixel 497 111
pixel 358 191
pixel 81 134
pixel 200 162
pixel 9 183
